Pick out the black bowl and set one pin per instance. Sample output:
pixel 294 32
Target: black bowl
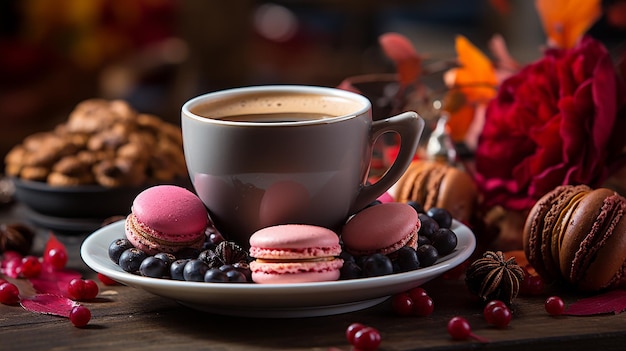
pixel 76 208
pixel 83 201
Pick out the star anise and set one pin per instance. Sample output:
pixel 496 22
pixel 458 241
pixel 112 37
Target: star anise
pixel 230 252
pixel 494 277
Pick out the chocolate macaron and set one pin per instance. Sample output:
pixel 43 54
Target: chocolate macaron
pixel 436 184
pixel 578 235
pixel 544 225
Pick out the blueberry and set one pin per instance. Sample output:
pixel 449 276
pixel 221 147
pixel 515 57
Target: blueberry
pixel 442 216
pixel 445 241
pixel 177 267
pixel 345 256
pixel 407 259
pixel 376 265
pixel 153 267
pixel 244 268
pixel 350 270
pixel 226 267
pixel 131 259
pixel 194 270
pixel 427 255
pixel 117 247
pixel 215 275
pixel 428 226
pixel 168 258
pixel 416 206
pixel 235 276
pixel 422 240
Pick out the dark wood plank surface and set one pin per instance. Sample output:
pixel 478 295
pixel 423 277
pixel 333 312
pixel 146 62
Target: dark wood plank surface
pixel 125 318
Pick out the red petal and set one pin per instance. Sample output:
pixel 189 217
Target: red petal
pixel 611 302
pixel 48 304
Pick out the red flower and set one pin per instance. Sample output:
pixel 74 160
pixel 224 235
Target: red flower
pixel 559 120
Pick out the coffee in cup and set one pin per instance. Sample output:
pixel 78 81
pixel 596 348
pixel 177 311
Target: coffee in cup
pixel 268 155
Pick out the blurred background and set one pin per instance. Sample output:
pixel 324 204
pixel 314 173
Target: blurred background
pixel 156 54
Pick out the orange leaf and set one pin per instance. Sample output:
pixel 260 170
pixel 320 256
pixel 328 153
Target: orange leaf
pixel 476 76
pixel 565 21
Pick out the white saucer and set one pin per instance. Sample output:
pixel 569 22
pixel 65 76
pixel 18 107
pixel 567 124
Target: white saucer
pixel 276 301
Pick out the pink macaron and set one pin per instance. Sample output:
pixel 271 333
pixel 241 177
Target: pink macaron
pixel 295 253
pixel 383 228
pixel 166 218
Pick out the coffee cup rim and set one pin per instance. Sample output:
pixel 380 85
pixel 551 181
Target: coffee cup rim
pixel 305 89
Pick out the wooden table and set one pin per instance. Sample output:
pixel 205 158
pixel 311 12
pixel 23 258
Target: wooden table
pixel 124 318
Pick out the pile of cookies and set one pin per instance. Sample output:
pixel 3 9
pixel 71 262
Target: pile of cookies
pixel 102 142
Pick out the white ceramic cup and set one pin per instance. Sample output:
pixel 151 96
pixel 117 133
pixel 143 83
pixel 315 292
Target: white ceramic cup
pixel 308 162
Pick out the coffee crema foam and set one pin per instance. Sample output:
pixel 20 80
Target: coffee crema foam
pixel 276 107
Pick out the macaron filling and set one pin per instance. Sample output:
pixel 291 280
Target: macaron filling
pixel 155 240
pixel 409 240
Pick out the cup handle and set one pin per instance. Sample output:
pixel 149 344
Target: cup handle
pixel 409 126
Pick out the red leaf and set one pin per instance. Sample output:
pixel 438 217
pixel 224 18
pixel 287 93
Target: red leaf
pixel 611 302
pixel 53 282
pixel 401 51
pixel 48 304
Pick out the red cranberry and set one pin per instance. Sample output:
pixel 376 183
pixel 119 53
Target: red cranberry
pixel 56 258
pixel 459 328
pixel 80 289
pixel 532 285
pixel 352 329
pixel 500 316
pixel 402 304
pixel 80 316
pixel 487 311
pixel 106 280
pixel 9 294
pixel 423 306
pixel 30 267
pixel 555 306
pixel 367 338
